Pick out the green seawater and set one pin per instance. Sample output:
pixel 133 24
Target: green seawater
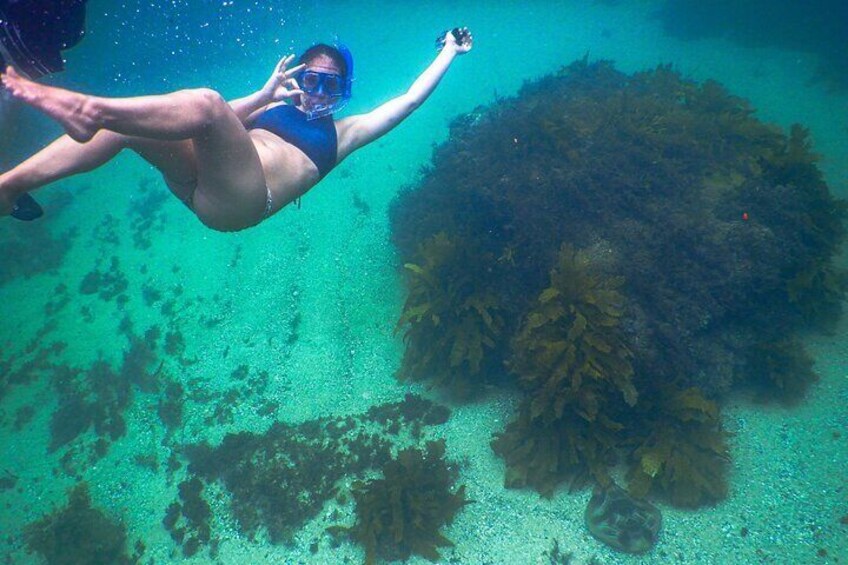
pixel 294 320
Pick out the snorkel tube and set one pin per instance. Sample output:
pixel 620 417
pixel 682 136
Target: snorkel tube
pixel 326 109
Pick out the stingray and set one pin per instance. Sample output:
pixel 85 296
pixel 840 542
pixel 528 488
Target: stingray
pixel 621 521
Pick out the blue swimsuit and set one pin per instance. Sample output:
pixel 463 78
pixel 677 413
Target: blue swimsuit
pixel 316 138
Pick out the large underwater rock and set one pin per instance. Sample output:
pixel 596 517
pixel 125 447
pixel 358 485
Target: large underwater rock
pixel 628 249
pixel 722 226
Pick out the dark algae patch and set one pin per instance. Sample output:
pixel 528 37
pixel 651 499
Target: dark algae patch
pixel 32 249
pixel 282 478
pixel 80 534
pixel 105 283
pixel 97 397
pixel 188 519
pixel 626 251
pixel 400 514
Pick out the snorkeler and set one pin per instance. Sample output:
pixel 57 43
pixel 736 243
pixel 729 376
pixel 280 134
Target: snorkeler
pixel 233 164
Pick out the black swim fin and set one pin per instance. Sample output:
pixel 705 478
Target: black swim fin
pixel 26 208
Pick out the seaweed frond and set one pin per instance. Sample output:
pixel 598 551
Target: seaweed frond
pixel 570 356
pixel 572 337
pixel 452 320
pixel 684 455
pixel 401 514
pixel 542 455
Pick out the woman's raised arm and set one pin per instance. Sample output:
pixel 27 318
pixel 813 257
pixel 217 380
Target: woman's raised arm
pixel 357 131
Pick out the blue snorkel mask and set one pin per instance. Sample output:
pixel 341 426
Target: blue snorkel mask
pixel 333 85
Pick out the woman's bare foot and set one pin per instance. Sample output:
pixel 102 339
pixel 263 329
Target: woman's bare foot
pixel 68 108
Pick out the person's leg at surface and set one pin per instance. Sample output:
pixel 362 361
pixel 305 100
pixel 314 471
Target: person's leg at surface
pixel 231 191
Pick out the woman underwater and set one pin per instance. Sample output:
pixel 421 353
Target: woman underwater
pixel 233 164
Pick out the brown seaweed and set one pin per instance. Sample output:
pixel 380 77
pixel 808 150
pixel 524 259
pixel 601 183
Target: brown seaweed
pixel 400 515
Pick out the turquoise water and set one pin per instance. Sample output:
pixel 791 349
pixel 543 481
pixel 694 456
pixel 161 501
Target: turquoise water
pixel 308 301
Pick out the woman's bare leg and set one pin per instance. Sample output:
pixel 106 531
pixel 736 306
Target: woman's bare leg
pixel 174 116
pixel 66 157
pixel 230 190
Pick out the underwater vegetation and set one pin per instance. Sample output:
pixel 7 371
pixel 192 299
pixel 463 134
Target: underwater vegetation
pixel 170 408
pixel 570 358
pixel 94 398
pixel 572 338
pixel 681 451
pixel 107 284
pixel 451 320
pixel 626 251
pixel 282 478
pixel 31 249
pixel 80 533
pixel 782 370
pixel 188 520
pixel 544 455
pixel 97 397
pixel 147 213
pixel 400 514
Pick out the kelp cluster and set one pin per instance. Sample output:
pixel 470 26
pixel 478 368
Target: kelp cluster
pixel 628 249
pixel 570 357
pixel 400 514
pixel 282 478
pixel 450 325
pixel 678 447
pixel 583 410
